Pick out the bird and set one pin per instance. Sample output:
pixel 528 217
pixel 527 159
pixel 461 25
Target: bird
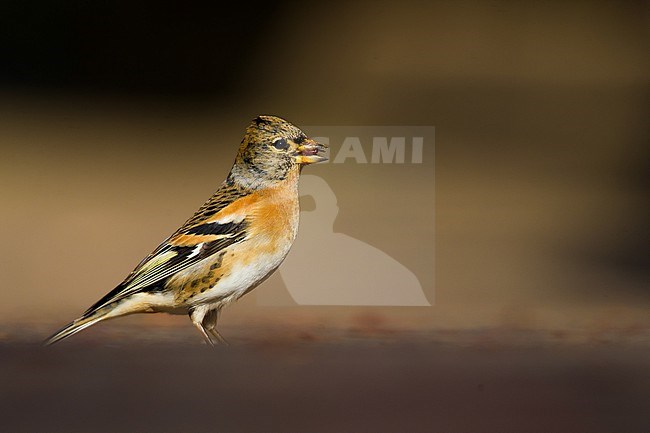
pixel 231 244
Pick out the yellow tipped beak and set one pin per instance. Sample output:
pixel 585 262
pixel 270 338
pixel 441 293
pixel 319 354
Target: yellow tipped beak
pixel 310 152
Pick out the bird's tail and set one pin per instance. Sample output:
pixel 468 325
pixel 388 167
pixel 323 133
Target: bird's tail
pixel 75 326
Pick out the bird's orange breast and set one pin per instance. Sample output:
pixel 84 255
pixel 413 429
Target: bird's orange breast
pixel 272 215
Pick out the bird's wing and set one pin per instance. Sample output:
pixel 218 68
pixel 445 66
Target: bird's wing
pixel 219 223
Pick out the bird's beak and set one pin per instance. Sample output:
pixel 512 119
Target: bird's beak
pixel 310 152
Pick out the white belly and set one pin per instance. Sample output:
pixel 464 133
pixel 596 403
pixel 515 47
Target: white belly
pixel 245 275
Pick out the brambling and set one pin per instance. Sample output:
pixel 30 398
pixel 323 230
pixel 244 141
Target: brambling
pixel 229 246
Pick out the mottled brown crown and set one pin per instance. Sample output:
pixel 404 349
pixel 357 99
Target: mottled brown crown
pixel 264 128
pixel 267 152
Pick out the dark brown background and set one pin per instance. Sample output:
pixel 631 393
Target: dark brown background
pixel 118 119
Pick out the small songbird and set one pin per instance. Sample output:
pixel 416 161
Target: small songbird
pixel 231 244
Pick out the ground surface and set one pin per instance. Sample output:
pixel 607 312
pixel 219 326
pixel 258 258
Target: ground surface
pixel 464 382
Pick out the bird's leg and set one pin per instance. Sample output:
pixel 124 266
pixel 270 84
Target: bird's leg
pixel 197 316
pixel 210 323
pixel 216 334
pixel 205 335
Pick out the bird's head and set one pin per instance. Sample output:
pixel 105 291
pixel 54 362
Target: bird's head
pixel 272 147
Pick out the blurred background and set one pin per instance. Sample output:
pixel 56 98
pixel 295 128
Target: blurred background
pixel 118 119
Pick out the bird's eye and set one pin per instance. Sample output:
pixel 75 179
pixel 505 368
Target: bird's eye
pixel 281 144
